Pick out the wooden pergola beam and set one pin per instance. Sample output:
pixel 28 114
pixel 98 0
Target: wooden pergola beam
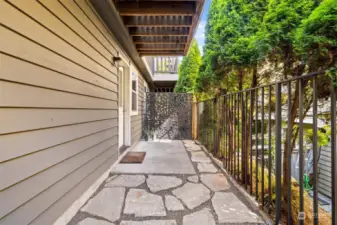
pixel 156 42
pixel 157 25
pixel 154 8
pixel 167 31
pixel 195 22
pixel 161 53
pixel 160 49
pixel 156 34
pixel 160 40
pixel 160 46
pixel 157 21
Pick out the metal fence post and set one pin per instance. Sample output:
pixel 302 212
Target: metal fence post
pixel 215 133
pixel 289 134
pixel 301 147
pixel 333 153
pixel 278 153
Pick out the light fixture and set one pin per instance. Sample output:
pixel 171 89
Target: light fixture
pixel 116 59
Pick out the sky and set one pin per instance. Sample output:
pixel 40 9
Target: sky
pixel 200 33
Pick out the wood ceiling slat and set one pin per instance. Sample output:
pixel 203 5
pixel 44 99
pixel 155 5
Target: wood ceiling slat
pixel 161 49
pixel 159 39
pixel 155 0
pixel 158 21
pixel 156 51
pixel 157 45
pixel 156 8
pixel 199 8
pixel 160 53
pixel 161 27
pixel 159 31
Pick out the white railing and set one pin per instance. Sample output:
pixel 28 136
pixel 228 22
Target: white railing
pixel 163 64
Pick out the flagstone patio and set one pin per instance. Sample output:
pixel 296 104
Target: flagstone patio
pixel 191 191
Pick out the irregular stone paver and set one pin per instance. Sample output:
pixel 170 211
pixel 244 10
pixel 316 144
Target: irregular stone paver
pixel 101 205
pixel 149 222
pixel 193 179
pixel 90 221
pixel 202 217
pixel 200 157
pixel 126 181
pixel 207 168
pixel 172 203
pixel 193 148
pixel 159 183
pixel 192 195
pixel 199 154
pixel 188 142
pixel 141 203
pixel 231 210
pixel 215 182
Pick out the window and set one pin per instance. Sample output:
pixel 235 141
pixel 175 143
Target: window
pixel 134 93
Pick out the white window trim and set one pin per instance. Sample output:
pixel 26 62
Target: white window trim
pixel 146 87
pixel 134 112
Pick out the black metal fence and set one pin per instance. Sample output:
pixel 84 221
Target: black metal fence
pixel 255 133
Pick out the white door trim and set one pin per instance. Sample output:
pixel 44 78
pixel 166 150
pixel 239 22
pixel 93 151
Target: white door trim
pixel 121 120
pixel 127 105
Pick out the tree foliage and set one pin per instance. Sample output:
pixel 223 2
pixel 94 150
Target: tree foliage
pixel 250 43
pixel 231 47
pixel 253 42
pixel 189 69
pixel 316 38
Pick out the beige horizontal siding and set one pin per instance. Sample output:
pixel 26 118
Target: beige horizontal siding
pixel 22 167
pixel 44 28
pixel 17 195
pixel 137 120
pixel 50 196
pixel 16 70
pixel 19 95
pixel 22 119
pixel 58 106
pixel 50 214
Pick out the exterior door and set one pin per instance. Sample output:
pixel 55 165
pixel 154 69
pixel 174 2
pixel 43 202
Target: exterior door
pixel 121 107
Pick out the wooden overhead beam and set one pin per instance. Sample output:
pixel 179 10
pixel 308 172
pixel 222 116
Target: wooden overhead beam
pixel 195 21
pixel 160 49
pixel 161 54
pixel 157 42
pixel 154 8
pixel 157 21
pixel 157 45
pixel 160 40
pixel 159 32
pixel 157 25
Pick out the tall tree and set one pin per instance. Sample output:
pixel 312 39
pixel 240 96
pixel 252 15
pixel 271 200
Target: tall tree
pixel 189 69
pixel 280 24
pixel 233 52
pixel 287 37
pixel 316 38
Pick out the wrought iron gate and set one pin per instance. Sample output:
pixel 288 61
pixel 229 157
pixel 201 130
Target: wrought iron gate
pixel 167 116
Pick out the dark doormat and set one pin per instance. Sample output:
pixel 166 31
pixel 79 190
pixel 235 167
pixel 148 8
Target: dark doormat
pixel 133 157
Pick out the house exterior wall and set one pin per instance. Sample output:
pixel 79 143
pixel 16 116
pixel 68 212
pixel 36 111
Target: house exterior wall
pixel 324 171
pixel 137 120
pixel 58 106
